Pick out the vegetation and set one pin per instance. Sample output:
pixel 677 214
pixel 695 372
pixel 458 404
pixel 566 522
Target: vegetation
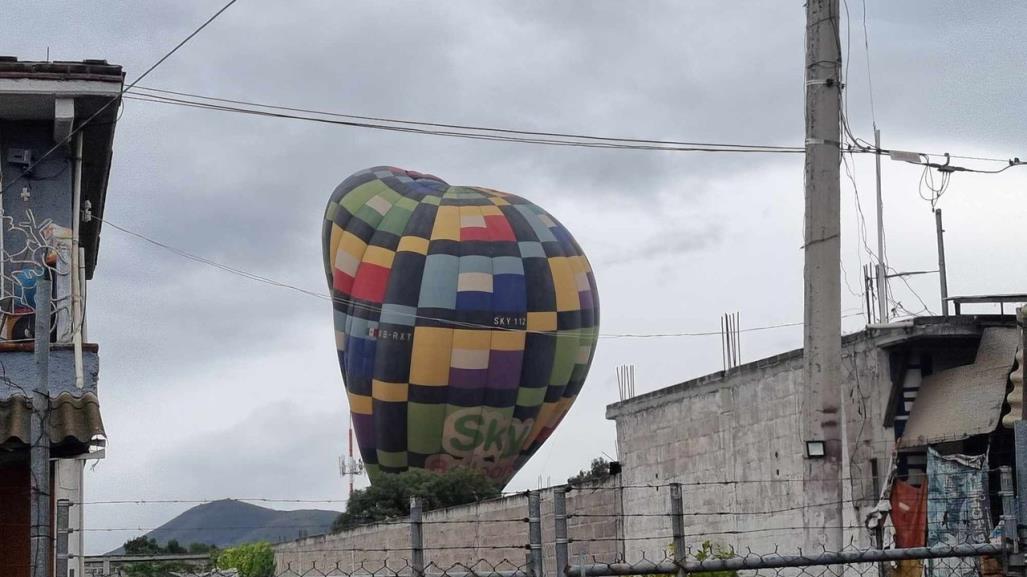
pixel 250 560
pixel 599 471
pixel 150 546
pixel 389 496
pixel 708 550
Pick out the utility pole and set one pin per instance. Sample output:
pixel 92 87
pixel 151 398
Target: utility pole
pixel 822 278
pixel 942 273
pixel 882 264
pixel 39 454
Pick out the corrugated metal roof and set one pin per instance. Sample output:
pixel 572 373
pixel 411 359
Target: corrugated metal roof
pixel 959 403
pixel 1015 396
pixel 75 421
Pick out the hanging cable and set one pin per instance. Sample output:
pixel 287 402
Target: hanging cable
pixel 121 93
pixel 372 308
pixel 468 132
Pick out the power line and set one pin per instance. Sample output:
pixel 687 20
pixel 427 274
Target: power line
pixel 377 308
pixel 475 133
pixel 120 94
pixel 912 290
pixel 754 147
pixel 866 54
pixel 547 138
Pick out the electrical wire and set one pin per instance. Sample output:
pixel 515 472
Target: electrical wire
pixel 57 146
pixel 866 53
pixel 754 147
pixel 570 488
pixel 500 135
pixel 120 94
pixel 377 308
pixel 912 290
pixel 187 99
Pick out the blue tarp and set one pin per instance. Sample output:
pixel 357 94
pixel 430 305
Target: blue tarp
pixel 958 510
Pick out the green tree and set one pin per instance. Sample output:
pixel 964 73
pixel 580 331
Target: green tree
pixel 250 560
pixel 173 548
pixel 142 546
pixel 598 471
pixel 150 546
pixel 197 548
pixel 390 495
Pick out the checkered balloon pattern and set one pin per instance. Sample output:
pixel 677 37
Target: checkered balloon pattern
pixel 465 320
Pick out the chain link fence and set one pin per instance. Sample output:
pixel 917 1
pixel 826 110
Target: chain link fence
pixel 970 560
pixel 585 536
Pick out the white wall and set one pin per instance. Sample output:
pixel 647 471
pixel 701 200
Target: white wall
pixel 68 474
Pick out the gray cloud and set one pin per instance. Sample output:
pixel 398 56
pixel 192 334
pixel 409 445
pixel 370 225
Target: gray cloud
pixel 234 382
pixel 672 242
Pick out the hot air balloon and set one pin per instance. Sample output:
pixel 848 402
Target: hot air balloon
pixel 465 321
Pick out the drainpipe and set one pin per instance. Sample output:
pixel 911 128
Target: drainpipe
pixel 76 287
pixel 83 296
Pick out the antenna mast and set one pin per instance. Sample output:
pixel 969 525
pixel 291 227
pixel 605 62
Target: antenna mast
pixel 349 466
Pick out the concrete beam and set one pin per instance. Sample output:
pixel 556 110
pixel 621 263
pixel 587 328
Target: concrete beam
pixel 63 118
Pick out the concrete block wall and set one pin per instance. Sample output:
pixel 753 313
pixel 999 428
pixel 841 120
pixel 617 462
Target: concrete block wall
pixel 733 440
pixel 369 547
pixel 493 532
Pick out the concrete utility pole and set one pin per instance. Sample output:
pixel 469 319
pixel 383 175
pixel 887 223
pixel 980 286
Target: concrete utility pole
pixel 39 454
pixel 942 273
pixel 882 263
pixel 822 277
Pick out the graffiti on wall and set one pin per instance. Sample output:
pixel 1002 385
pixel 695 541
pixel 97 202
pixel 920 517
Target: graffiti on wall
pixel 32 250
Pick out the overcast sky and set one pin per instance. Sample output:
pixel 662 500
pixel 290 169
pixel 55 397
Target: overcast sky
pixel 215 386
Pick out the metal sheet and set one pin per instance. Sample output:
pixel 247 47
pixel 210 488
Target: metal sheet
pixel 964 401
pixel 1015 396
pixel 75 422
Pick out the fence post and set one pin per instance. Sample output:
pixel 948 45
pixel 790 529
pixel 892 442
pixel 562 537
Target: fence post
pixel 560 529
pixel 677 523
pixel 1020 454
pixel 1011 541
pixel 61 549
pixel 535 533
pixel 416 538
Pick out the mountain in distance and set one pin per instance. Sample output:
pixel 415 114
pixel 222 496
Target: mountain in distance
pixel 228 522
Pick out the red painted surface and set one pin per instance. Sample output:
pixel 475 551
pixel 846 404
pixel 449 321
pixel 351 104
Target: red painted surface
pixel 371 282
pixel 909 514
pixel 499 228
pixel 14 519
pixel 473 233
pixel 341 281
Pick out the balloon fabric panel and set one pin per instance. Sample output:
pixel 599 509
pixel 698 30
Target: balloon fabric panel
pixel 465 321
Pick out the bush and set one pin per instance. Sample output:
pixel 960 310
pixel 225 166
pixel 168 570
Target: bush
pixel 599 470
pixel 389 496
pixel 710 551
pixel 250 560
pixel 149 546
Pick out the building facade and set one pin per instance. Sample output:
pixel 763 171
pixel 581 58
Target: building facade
pixel 734 438
pixel 734 441
pixel 56 133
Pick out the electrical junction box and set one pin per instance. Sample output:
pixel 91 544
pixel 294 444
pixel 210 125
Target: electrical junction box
pixel 20 156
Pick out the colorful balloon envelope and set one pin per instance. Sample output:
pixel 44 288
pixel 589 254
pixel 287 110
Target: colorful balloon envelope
pixel 465 320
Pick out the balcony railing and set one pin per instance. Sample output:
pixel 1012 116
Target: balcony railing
pixel 32 250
